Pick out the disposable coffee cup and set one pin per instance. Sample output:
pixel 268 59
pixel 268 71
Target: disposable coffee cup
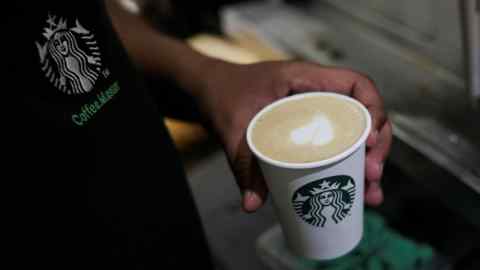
pixel 297 191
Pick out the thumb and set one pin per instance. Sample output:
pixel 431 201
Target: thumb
pixel 249 178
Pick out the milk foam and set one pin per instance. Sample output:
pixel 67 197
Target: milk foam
pixel 318 132
pixel 308 129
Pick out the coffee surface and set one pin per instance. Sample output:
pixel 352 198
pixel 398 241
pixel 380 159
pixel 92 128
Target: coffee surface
pixel 308 129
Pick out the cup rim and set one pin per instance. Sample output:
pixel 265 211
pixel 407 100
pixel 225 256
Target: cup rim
pixel 309 165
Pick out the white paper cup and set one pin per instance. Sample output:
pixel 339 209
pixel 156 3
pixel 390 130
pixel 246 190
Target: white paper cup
pixel 318 224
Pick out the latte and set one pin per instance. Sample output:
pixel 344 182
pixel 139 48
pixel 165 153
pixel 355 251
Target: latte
pixel 308 129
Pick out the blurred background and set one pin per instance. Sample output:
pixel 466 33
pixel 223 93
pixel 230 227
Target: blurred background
pixel 424 56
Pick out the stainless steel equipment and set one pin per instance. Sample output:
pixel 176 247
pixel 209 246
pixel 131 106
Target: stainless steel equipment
pixel 471 15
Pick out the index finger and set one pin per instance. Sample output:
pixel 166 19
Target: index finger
pixel 365 91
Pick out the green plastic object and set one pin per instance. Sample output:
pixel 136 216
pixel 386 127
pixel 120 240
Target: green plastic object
pixel 381 248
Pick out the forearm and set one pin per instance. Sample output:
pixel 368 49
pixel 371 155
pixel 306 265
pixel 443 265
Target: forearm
pixel 159 54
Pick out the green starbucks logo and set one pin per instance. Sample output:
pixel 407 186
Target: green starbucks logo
pixel 326 199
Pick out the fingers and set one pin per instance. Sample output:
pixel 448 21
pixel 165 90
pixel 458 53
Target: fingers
pixel 364 90
pixel 255 195
pixel 377 153
pixel 374 194
pixel 304 77
pixel 374 165
pixel 379 139
pixel 249 179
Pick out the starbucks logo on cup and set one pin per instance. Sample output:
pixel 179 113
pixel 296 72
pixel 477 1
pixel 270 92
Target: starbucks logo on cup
pixel 325 200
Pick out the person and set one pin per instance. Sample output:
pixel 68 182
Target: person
pixel 95 180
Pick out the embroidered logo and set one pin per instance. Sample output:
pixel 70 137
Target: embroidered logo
pixel 70 56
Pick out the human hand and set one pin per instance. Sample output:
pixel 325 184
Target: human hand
pixel 233 94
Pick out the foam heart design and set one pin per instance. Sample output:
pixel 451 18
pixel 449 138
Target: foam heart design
pixel 318 132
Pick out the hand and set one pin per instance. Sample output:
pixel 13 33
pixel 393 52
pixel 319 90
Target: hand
pixel 233 94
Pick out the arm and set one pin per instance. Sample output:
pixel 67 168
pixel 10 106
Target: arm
pixel 229 95
pixel 158 54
